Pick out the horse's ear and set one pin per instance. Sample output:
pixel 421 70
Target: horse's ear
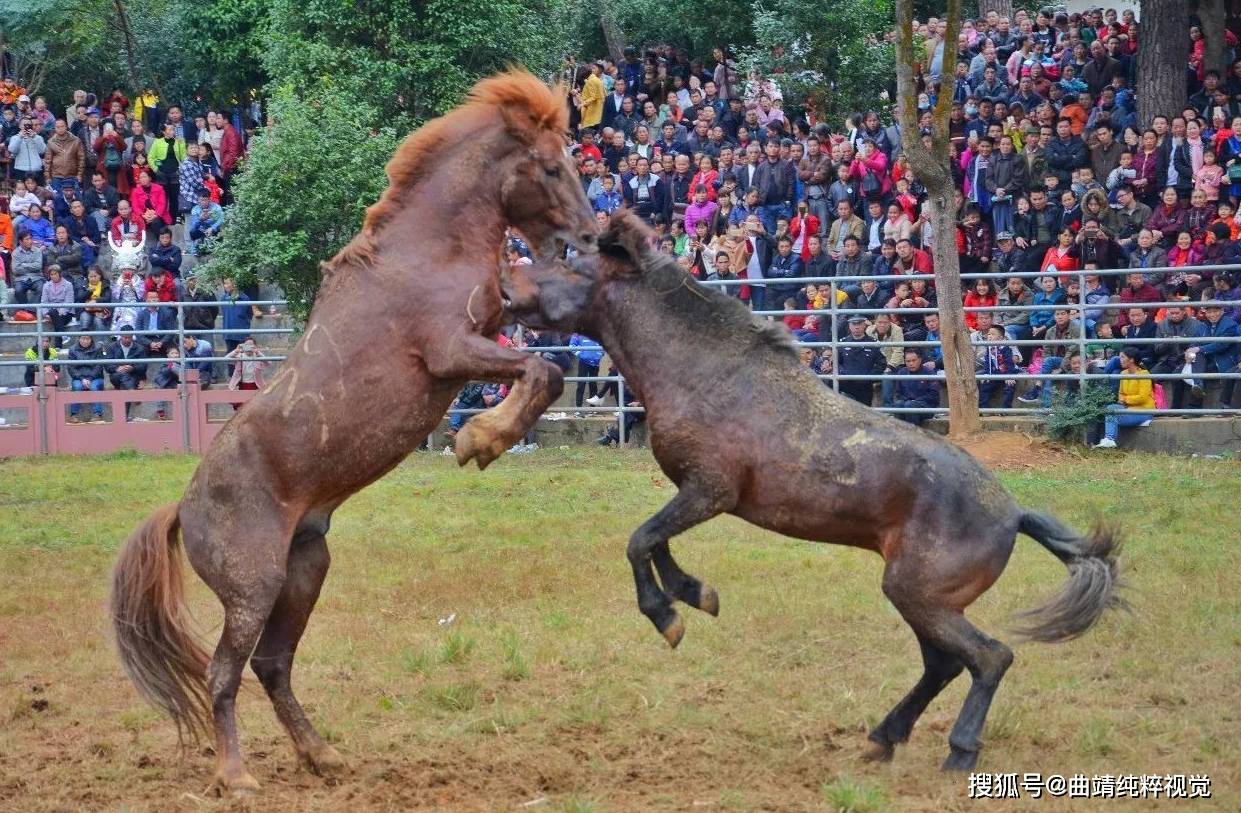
pixel 520 123
pixel 627 237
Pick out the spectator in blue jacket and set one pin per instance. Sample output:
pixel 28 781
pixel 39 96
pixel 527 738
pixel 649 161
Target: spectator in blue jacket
pixel 40 227
pixel 1048 293
pixel 1221 356
pixel 914 393
pixel 198 355
pixel 206 220
pixel 235 313
pixel 589 355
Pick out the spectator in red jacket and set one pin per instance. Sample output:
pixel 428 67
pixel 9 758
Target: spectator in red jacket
pixel 126 225
pixel 1136 289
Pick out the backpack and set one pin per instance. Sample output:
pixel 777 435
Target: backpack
pixel 871 185
pixel 111 156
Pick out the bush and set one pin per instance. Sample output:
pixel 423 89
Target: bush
pixel 1073 414
pixel 306 185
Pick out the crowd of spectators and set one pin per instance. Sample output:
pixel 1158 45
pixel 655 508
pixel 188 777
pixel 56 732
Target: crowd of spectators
pixel 1054 176
pixel 91 197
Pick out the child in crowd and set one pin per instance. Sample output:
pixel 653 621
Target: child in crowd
pixel 997 360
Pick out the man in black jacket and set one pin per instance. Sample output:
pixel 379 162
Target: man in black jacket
pixel 1037 230
pixel 1175 167
pixel 776 182
pixel 1065 153
pixel 130 373
pixel 645 193
pixel 100 200
pixel 86 374
pixel 157 325
pixel 786 266
pixel 855 360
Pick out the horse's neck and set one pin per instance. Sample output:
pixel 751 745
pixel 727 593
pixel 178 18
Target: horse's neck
pixel 637 317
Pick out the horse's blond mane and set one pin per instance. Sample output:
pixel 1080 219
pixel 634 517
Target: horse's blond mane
pixel 528 106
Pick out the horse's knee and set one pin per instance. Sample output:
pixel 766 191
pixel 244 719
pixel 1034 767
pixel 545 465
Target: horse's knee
pixel 554 380
pixel 996 659
pixel 639 549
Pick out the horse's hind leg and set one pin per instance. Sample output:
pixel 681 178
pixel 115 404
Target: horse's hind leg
pixel 988 660
pixel 695 503
pixel 682 586
pixel 272 660
pixel 245 612
pixel 939 669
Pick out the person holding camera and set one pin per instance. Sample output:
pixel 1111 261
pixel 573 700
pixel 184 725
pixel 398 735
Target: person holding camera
pixel 28 149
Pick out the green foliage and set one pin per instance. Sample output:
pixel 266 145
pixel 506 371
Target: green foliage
pixel 845 795
pixel 696 25
pixel 410 61
pixel 833 61
pixel 225 40
pixel 305 189
pixel 59 47
pixel 1071 415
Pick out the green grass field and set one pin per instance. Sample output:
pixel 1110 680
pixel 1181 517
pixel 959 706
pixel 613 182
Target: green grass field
pixel 548 691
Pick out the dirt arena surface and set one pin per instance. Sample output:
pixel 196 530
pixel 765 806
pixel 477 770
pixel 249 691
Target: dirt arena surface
pixel 477 648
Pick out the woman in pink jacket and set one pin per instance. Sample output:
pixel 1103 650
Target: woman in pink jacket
pixel 149 196
pixel 871 160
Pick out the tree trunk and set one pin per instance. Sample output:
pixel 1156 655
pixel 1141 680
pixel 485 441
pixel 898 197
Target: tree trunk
pixel 1163 59
pixel 1004 8
pixel 932 168
pixel 1213 16
pixel 612 34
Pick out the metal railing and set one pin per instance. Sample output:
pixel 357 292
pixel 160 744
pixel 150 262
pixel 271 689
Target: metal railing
pixel 838 314
pixel 835 313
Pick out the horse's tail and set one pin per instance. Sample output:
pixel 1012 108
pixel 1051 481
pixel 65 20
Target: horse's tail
pixel 1094 579
pixel 153 632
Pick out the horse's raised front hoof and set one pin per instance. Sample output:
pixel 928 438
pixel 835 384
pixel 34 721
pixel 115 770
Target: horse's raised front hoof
pixel 324 761
pixel 674 631
pixel 960 760
pixel 876 751
pixel 709 601
pixel 237 785
pixel 479 444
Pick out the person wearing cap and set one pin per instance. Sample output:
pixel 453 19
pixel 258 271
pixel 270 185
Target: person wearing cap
pixel 1221 356
pixel 90 134
pixel 1007 258
pixel 856 359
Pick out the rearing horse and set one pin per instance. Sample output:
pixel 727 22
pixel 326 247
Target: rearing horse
pixel 743 428
pixel 420 281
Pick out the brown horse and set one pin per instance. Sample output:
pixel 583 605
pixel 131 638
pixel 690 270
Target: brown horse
pixel 408 312
pixel 743 428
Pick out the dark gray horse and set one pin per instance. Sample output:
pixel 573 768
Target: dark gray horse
pixel 742 428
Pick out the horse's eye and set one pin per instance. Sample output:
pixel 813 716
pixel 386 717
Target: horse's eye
pixel 553 171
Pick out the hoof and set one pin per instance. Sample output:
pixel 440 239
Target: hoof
pixel 960 760
pixel 482 450
pixel 674 632
pixel 238 785
pixel 324 761
pixel 709 601
pixel 878 751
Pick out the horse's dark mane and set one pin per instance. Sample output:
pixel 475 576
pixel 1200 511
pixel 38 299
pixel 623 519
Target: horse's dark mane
pixel 708 306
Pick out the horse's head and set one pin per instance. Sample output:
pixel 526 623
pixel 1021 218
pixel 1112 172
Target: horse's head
pixel 541 194
pixel 559 295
